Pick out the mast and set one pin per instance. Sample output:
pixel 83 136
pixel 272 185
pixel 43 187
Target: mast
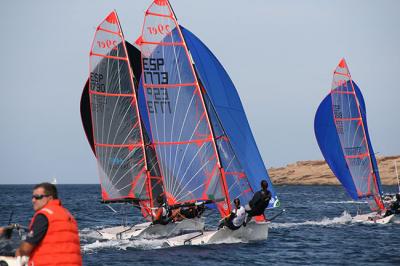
pixel 146 165
pixel 226 211
pixel 397 175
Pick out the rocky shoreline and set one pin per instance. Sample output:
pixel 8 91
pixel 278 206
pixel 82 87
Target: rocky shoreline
pixel 319 173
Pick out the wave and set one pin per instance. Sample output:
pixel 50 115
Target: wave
pixel 123 244
pixel 346 202
pixel 343 219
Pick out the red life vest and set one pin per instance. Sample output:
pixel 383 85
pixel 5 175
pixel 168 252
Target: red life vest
pixel 60 245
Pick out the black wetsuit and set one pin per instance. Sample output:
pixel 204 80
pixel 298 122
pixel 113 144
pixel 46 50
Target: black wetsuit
pixel 394 208
pixel 259 203
pixel 164 219
pixel 228 222
pixel 192 212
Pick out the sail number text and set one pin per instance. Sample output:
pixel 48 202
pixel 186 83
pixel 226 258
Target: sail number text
pixel 152 73
pixel 157 98
pixel 96 82
pixel 159 102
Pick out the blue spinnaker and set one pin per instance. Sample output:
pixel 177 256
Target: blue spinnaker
pixel 229 109
pixel 329 143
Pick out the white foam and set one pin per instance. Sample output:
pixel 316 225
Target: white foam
pixel 123 244
pixel 346 202
pixel 343 219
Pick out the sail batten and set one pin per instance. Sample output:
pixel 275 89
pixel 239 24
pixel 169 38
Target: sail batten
pixel 109 56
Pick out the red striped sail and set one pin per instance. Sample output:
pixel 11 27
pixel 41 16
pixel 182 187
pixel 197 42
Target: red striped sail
pixel 180 127
pixel 352 135
pixel 117 132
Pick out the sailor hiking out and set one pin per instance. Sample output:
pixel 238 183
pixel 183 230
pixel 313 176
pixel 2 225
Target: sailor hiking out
pixel 394 206
pixel 259 202
pixel 236 218
pixel 162 214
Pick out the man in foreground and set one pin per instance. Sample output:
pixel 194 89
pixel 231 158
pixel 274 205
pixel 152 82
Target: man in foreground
pixel 53 237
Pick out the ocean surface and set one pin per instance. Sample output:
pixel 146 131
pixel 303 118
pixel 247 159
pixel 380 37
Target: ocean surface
pixel 316 229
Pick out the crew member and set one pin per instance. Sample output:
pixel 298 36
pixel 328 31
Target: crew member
pixel 259 202
pixel 394 207
pixel 236 218
pixel 162 215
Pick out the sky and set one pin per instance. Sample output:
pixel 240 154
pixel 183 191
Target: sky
pixel 279 54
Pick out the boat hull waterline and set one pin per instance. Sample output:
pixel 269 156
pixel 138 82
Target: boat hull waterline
pixel 150 231
pixel 254 231
pixel 373 218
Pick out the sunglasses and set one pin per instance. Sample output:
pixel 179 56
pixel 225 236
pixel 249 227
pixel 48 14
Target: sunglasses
pixel 39 197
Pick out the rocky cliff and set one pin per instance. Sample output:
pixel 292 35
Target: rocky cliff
pixel 319 173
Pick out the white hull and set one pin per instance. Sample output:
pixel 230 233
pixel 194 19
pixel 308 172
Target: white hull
pixel 147 230
pixel 9 261
pixel 372 218
pixel 13 261
pixel 254 231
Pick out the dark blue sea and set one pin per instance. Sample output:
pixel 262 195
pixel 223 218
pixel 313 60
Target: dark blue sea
pixel 315 230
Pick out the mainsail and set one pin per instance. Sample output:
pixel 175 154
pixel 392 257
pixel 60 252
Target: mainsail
pixel 181 131
pixel 341 130
pixel 116 126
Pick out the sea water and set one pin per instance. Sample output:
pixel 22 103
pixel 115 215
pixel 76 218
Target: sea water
pixel 316 229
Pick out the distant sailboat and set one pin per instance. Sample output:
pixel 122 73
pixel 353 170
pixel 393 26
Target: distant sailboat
pixel 342 134
pixel 54 181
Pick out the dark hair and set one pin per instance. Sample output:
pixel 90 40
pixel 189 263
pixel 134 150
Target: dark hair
pixel 236 200
pixel 160 199
pixel 49 189
pixel 264 183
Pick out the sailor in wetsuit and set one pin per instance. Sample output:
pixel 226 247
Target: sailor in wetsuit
pixel 259 202
pixel 161 215
pixel 189 212
pixel 236 218
pixel 394 207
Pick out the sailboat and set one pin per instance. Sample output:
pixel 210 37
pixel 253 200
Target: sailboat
pixel 191 122
pixel 197 125
pixel 342 134
pixel 128 167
